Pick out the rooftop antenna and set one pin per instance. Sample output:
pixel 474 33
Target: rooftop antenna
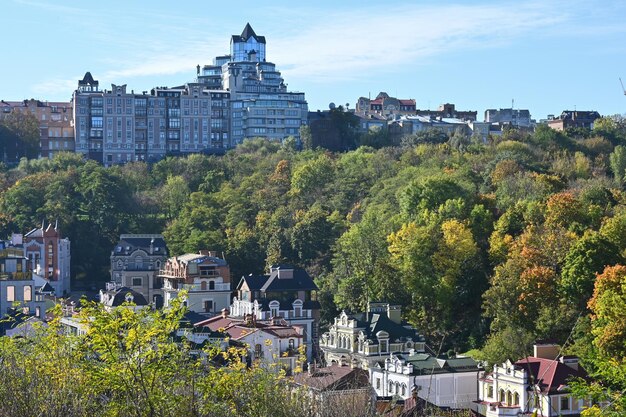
pixel 623 89
pixel 512 103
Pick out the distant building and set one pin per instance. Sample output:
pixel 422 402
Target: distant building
pixel 19 292
pixel 286 292
pixel 116 295
pixel 364 339
pixel 49 256
pixel 260 103
pixel 443 382
pixel 117 126
pixel 337 390
pixel 569 118
pixel 55 123
pixel 206 278
pixel 385 105
pixel 271 341
pixel 448 111
pixel 511 117
pixel 135 263
pixel 536 385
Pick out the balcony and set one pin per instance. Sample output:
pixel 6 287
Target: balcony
pixel 16 276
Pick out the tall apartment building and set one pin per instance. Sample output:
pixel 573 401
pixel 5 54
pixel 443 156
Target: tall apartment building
pixel 55 123
pixel 240 96
pixel 260 104
pixel 116 126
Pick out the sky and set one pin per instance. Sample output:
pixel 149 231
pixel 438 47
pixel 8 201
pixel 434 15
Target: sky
pixel 545 56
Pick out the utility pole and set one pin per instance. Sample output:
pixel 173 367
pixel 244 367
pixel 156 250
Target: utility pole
pixel 623 89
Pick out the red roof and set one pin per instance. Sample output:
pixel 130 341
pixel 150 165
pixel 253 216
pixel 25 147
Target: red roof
pixel 407 102
pixel 550 374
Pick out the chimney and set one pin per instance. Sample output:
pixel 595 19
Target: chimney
pixel 394 313
pixel 285 272
pixel 546 350
pixel 571 361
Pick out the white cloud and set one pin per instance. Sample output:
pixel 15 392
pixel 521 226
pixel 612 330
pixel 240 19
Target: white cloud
pixel 342 45
pixel 56 87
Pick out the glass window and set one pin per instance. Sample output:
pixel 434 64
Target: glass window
pixel 28 293
pixel 564 403
pixel 137 282
pixel 10 293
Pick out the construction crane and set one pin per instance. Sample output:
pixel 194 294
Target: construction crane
pixel 624 89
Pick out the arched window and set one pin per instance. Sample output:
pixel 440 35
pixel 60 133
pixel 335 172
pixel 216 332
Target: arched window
pixel 516 399
pixel 509 398
pixel 397 387
pixel 403 390
pixel 502 396
pixel 203 286
pixel 138 262
pixel 390 387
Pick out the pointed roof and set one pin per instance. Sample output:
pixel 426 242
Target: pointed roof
pixel 248 33
pixel 88 80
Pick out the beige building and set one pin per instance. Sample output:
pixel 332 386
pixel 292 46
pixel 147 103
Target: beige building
pixel 55 123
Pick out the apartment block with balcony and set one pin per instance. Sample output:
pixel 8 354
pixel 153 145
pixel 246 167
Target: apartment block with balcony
pixel 135 263
pixel 206 278
pixel 286 292
pixel 19 293
pixel 260 104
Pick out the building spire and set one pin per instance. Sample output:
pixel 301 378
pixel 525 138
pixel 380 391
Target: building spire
pixel 248 32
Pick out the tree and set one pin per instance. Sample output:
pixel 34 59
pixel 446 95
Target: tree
pixel 618 164
pixel 587 257
pixel 21 129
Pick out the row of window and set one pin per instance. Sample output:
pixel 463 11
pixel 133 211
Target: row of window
pixel 27 293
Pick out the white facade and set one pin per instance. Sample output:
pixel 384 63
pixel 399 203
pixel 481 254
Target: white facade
pixel 447 389
pixel 509 390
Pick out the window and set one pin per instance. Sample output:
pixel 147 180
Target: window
pixel 203 286
pixel 137 281
pixel 258 351
pixel 10 293
pixel 291 344
pixel 208 305
pixel 211 285
pixel 509 398
pixel 502 396
pixel 516 399
pixel 403 390
pixel 490 391
pixel 377 383
pixel 28 293
pixel 383 346
pixel 564 403
pixel 390 387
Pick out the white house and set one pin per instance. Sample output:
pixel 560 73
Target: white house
pixel 536 385
pixel 444 382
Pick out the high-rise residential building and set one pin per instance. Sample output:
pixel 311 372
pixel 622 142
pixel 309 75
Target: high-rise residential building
pixel 240 96
pixel 260 104
pixel 116 126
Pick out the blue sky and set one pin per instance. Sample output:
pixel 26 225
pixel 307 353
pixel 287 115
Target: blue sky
pixel 546 55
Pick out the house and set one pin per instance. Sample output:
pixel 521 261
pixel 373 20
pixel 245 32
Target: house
pixel 518 118
pixel 116 295
pixel 206 278
pixel 273 341
pixel 443 382
pixel 286 292
pixel 48 256
pixel 135 263
pixel 337 391
pixel 368 338
pixel 19 292
pixel 385 105
pixel 536 385
pixel 574 118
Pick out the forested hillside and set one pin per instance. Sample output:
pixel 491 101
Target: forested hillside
pixel 484 245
